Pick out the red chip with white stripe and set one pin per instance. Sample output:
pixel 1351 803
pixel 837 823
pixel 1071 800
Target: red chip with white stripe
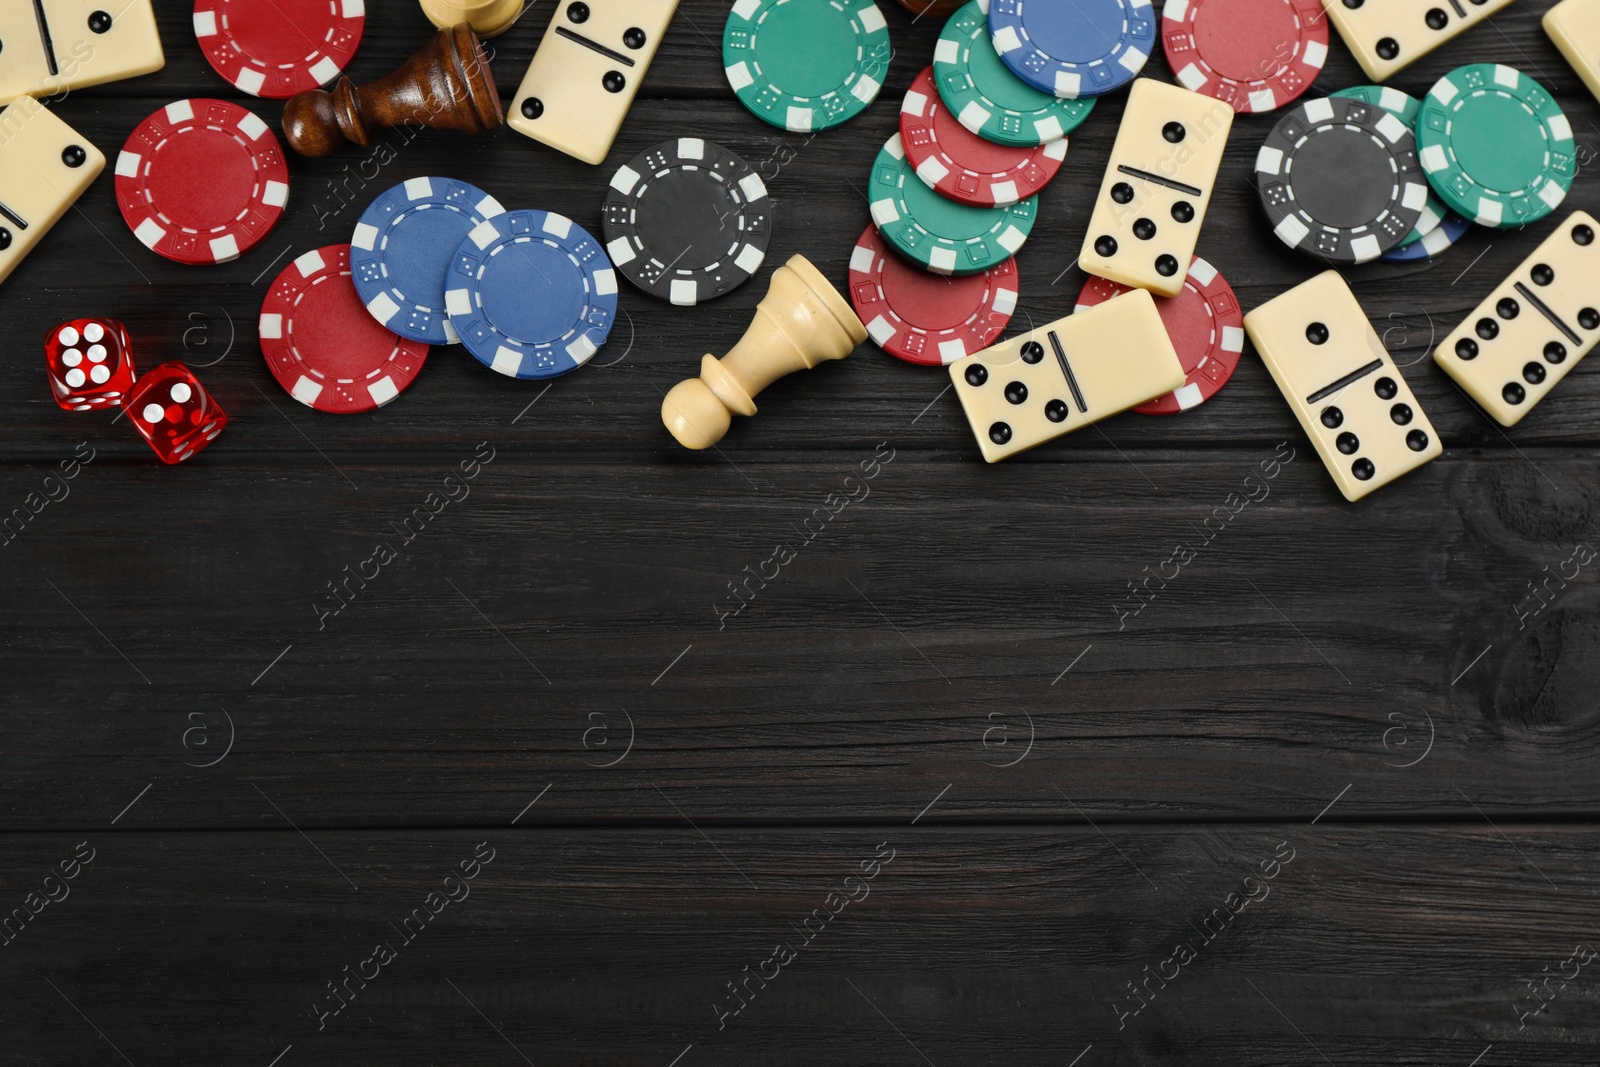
pixel 202 181
pixel 1254 55
pixel 931 319
pixel 277 48
pixel 1206 326
pixel 963 166
pixel 322 344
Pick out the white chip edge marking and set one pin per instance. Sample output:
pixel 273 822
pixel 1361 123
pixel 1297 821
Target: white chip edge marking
pixel 624 179
pixel 620 251
pixel 881 330
pixel 310 263
pixel 253 126
pixel 365 236
pixel 383 308
pixel 753 187
pixel 383 390
pixel 324 70
pixel 1291 231
pixel 306 391
pixel 249 80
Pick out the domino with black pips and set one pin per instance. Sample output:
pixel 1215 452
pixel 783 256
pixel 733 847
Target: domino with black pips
pixel 1156 188
pixel 45 165
pixel 1346 392
pixel 1066 375
pixel 1386 35
pixel 1574 26
pixel 50 46
pixel 1533 329
pixel 586 73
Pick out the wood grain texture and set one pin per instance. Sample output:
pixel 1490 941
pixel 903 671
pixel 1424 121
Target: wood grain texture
pixel 1074 771
pixel 1399 945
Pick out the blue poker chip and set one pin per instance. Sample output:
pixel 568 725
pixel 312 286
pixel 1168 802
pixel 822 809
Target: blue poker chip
pixel 532 294
pixel 1436 240
pixel 402 248
pixel 1073 48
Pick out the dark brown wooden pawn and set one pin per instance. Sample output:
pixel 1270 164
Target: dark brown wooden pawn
pixel 446 86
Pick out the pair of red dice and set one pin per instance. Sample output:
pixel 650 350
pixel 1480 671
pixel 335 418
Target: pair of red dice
pixel 90 366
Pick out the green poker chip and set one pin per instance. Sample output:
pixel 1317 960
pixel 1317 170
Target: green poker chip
pixel 1404 107
pixel 942 235
pixel 806 64
pixel 1496 148
pixel 983 94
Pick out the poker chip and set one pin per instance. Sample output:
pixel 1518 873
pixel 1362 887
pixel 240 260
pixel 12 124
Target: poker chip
pixel 1339 179
pixel 962 165
pixel 277 48
pixel 806 64
pixel 687 221
pixel 983 94
pixel 323 347
pixel 942 235
pixel 922 318
pixel 1450 230
pixel 1404 107
pixel 1075 49
pixel 531 294
pixel 202 181
pixel 1495 146
pixel 1206 326
pixel 1254 55
pixel 402 249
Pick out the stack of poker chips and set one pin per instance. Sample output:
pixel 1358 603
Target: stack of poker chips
pixel 954 194
pixel 986 127
pixel 1372 172
pixel 347 327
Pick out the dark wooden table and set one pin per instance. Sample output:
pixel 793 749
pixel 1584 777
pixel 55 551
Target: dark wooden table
pixel 934 795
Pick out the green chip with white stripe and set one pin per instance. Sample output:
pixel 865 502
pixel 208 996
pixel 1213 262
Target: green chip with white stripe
pixel 941 235
pixel 806 65
pixel 983 94
pixel 1495 146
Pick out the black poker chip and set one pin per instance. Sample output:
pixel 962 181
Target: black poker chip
pixel 1339 179
pixel 687 220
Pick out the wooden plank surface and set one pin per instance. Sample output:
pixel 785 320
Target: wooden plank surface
pixel 1306 944
pixel 1073 772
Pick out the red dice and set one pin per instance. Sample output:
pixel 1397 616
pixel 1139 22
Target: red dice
pixel 89 363
pixel 172 410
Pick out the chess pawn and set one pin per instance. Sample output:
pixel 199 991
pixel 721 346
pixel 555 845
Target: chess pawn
pixel 488 18
pixel 447 86
pixel 802 321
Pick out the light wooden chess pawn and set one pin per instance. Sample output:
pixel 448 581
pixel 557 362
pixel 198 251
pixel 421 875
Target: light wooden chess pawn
pixel 488 18
pixel 802 321
pixel 446 86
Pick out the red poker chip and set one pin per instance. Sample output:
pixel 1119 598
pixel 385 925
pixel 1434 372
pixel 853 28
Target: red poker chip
pixel 962 165
pixel 925 318
pixel 1254 55
pixel 324 346
pixel 276 48
pixel 202 181
pixel 1206 326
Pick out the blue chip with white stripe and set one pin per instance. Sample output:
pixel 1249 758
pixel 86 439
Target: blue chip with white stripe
pixel 402 249
pixel 1452 229
pixel 531 294
pixel 1073 48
